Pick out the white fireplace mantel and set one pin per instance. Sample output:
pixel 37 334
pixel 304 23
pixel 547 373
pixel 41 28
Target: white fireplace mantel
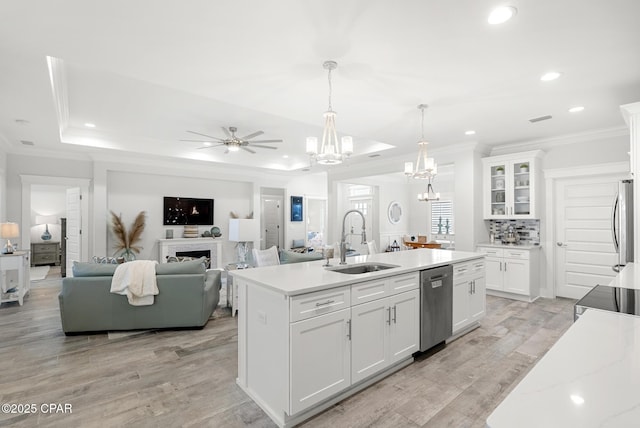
pixel 169 247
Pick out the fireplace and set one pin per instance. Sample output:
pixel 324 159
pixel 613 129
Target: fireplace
pixel 196 254
pixel 193 247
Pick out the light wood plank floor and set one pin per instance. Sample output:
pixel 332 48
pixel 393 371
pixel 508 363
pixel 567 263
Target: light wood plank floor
pixel 187 378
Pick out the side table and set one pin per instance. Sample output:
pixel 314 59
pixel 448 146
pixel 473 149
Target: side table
pixel 14 276
pixel 232 289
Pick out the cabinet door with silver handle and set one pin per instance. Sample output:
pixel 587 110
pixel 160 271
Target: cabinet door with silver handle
pixel 389 315
pixel 394 314
pixel 349 329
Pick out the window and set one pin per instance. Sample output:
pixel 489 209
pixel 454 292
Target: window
pixel 441 212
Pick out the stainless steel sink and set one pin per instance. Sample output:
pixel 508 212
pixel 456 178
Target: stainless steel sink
pixel 362 268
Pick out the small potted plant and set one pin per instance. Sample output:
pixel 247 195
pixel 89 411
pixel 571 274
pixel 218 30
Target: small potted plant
pixel 500 170
pixel 524 167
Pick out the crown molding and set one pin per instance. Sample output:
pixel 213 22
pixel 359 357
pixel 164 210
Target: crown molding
pixel 589 170
pixel 59 90
pixel 548 143
pixel 630 110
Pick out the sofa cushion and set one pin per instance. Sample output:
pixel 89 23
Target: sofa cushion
pixel 293 257
pixel 83 269
pixel 187 267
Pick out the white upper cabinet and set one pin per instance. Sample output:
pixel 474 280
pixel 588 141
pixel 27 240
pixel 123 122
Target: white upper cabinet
pixel 511 185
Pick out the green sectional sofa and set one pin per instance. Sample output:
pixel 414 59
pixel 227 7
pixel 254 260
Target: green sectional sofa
pixel 188 295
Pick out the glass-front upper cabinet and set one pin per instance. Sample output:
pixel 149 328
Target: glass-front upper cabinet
pixel 510 188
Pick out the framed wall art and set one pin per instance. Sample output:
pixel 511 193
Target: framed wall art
pixel 296 208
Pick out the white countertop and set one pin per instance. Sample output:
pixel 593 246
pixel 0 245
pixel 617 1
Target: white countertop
pixel 300 278
pixel 589 378
pixel 627 277
pixel 509 246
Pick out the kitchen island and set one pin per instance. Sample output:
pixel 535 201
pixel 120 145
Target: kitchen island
pixel 309 336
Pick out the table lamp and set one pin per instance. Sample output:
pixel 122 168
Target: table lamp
pixel 46 219
pixel 8 231
pixel 243 231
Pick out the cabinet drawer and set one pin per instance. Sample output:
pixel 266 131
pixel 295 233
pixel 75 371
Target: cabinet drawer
pixel 319 303
pixel 44 248
pixel 461 269
pixel 477 266
pixel 491 251
pixel 368 291
pixel 402 283
pixel 516 254
pixel 45 258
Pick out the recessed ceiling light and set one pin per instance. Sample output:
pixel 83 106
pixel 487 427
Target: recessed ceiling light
pixel 470 132
pixel 552 75
pixel 501 14
pixel 90 125
pixel 207 144
pixel 285 156
pixel 576 109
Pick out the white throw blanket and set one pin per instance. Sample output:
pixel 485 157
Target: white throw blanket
pixel 137 281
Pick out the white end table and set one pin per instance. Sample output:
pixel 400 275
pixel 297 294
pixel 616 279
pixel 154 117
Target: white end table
pixel 232 289
pixel 14 276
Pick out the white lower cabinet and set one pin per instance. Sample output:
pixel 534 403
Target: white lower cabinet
pixel 512 272
pixel 320 358
pixel 469 294
pixel 384 332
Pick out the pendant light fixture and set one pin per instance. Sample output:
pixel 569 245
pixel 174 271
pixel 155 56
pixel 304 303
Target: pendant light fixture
pixel 331 151
pixel 426 167
pixel 429 195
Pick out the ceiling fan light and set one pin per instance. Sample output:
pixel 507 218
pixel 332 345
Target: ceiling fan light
pixel 233 148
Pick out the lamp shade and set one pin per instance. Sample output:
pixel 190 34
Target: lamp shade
pixel 243 230
pixel 46 219
pixel 9 230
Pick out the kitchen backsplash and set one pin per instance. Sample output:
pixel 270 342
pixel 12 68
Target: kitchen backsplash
pixel 528 230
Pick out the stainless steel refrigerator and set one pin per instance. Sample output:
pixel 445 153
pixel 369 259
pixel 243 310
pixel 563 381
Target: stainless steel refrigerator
pixel 622 224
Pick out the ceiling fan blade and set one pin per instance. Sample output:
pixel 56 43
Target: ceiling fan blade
pixel 205 135
pixel 196 141
pixel 226 132
pixel 248 149
pixel 250 136
pixel 263 147
pixel 210 147
pixel 266 141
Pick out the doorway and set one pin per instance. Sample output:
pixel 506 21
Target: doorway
pixel 43 187
pixel 271 218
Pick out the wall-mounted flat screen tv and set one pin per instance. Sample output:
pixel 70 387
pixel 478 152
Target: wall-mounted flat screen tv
pixel 193 211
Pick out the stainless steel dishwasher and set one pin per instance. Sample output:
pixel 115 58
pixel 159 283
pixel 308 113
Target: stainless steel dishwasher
pixel 436 306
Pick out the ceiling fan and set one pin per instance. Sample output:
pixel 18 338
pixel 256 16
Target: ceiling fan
pixel 234 143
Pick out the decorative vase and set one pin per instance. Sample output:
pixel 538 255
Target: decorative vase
pixel 46 236
pixel 128 255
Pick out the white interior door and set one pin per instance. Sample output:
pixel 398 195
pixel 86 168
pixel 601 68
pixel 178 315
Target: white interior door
pixel 272 222
pixel 74 228
pixel 584 251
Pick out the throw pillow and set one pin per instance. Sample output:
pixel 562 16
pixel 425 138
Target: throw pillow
pixel 189 267
pixel 82 269
pixel 293 257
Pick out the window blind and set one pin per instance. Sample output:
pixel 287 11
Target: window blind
pixel 441 211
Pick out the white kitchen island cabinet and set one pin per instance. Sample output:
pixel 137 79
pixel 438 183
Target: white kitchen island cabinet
pixel 469 295
pixel 309 337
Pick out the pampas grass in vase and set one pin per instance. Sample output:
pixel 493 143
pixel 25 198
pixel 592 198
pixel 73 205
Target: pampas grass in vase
pixel 127 243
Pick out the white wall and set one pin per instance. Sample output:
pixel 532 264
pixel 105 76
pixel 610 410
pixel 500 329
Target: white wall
pixel 128 193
